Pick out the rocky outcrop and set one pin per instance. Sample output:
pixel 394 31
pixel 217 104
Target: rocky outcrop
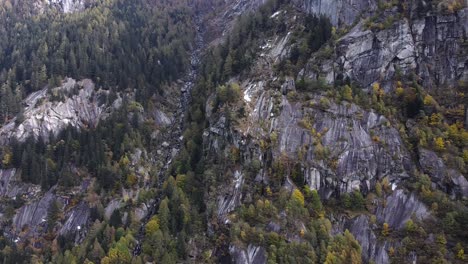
pixel 111 207
pixel 442 58
pixel 431 46
pixel 11 186
pixel 363 144
pixel 432 165
pixel 76 223
pixel 339 11
pixel 400 207
pixel 239 7
pixel 357 147
pixel 33 215
pixel 231 199
pixel 251 255
pixel 449 180
pixel 68 6
pixel 373 249
pixel 340 146
pixel 460 184
pixel 65 6
pixel 31 219
pixel 366 56
pixel 48 112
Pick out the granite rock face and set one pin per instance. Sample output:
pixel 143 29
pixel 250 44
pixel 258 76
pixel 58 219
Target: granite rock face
pixel 339 11
pixel 11 185
pixel 251 255
pixel 76 104
pixel 69 6
pixel 431 46
pixel 365 56
pixel 76 222
pixel 65 6
pixel 365 233
pixel 233 198
pixel 449 180
pixel 34 214
pixel 354 139
pixel 363 145
pixel 31 219
pixel 399 208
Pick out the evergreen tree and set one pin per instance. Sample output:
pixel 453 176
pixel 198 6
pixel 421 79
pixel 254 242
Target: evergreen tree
pixel 164 215
pixel 116 219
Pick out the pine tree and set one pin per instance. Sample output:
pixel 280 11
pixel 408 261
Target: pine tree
pixel 316 202
pixel 164 215
pixel 53 214
pixel 116 219
pixel 42 77
pixel 228 63
pixel 97 253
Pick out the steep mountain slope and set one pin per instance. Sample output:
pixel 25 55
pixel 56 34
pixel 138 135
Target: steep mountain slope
pixel 279 127
pixel 301 131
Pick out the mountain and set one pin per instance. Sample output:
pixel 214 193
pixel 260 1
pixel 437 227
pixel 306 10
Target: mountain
pixel 210 131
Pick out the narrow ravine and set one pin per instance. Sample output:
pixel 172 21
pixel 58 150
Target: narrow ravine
pixel 172 136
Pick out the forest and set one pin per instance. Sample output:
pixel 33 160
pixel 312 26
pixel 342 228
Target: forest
pixel 139 50
pixel 120 45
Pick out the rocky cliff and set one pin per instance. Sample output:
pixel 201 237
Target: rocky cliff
pixel 431 45
pixel 341 12
pixel 282 150
pixel 340 147
pixel 48 111
pixel 65 6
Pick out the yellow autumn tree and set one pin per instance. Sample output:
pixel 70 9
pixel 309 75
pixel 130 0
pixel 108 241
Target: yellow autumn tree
pixel 439 144
pixel 378 92
pixel 385 229
pixel 399 92
pixel 344 249
pixel 7 157
pixel 152 226
pixel 298 197
pixel 347 93
pixel 428 100
pixel 119 253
